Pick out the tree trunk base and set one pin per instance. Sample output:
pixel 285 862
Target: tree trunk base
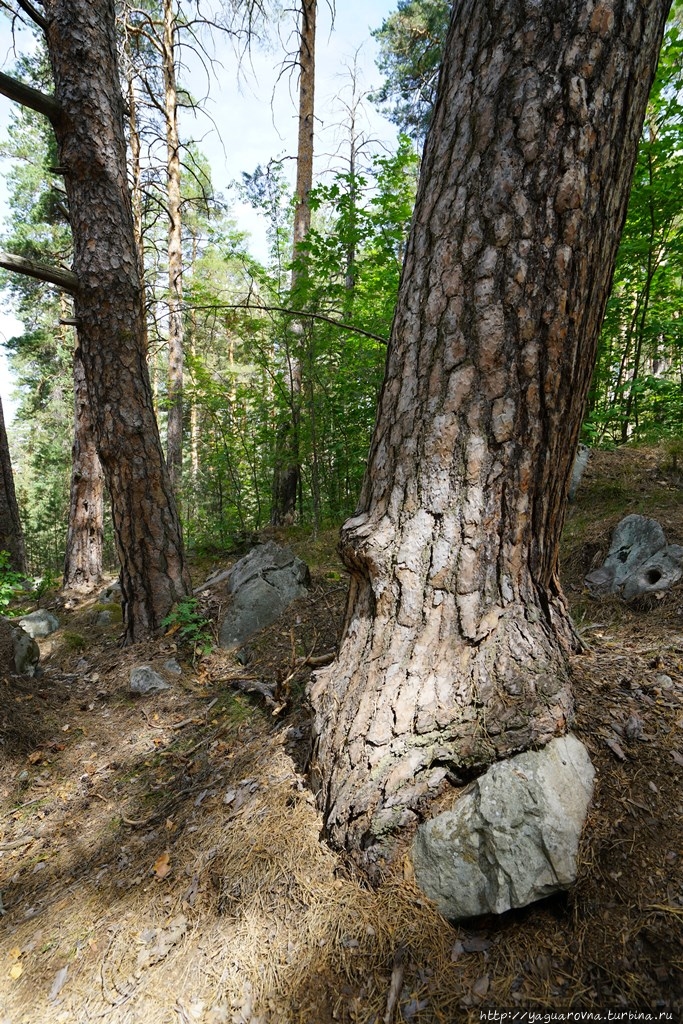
pixel 406 713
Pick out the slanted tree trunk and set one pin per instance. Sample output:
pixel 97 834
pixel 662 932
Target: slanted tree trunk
pixel 456 636
pixel 287 469
pixel 83 559
pixel 174 424
pixel 108 305
pixel 11 533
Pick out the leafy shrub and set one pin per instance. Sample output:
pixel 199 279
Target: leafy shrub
pixel 191 626
pixel 11 582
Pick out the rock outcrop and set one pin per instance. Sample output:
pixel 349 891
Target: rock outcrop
pixel 639 562
pixel 512 836
pixel 261 585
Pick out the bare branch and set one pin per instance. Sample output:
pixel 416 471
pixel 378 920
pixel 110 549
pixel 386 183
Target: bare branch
pixel 64 279
pixel 293 312
pixel 28 8
pixel 30 97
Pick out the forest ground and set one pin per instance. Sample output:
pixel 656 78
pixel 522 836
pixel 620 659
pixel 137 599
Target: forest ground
pixel 160 856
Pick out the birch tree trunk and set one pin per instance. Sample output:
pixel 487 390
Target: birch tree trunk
pixel 456 637
pixel 11 533
pixel 84 539
pixel 108 305
pixel 287 470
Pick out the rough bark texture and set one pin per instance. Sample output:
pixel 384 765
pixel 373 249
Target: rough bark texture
pixel 455 642
pixel 83 559
pixel 109 310
pixel 11 533
pixel 287 470
pixel 174 423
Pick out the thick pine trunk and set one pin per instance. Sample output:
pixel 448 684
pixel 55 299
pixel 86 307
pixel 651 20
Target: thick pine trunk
pixel 109 310
pixel 174 423
pixel 83 559
pixel 11 533
pixel 456 638
pixel 287 465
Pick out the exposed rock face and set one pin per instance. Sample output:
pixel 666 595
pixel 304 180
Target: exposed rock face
pixel 512 837
pixel 143 679
pixel 261 585
pixel 19 653
pixel 639 561
pixel 39 623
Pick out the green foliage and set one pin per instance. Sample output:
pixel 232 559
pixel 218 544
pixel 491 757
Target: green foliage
pixel 192 627
pixel 239 358
pixel 41 357
pixel 74 641
pixel 11 583
pixel 637 389
pixel 352 258
pixel 411 42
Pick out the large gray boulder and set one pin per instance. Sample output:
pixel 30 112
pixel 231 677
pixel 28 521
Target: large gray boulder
pixel 512 837
pixel 659 572
pixel 639 561
pixel 19 653
pixel 261 586
pixel 39 623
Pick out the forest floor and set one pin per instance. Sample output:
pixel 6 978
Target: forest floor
pixel 161 860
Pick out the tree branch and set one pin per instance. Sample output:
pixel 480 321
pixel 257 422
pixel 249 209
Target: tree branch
pixel 292 312
pixel 30 97
pixel 33 14
pixel 64 279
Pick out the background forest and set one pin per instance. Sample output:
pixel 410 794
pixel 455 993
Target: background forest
pixel 249 355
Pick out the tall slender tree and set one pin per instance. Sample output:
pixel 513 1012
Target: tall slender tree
pixel 456 636
pixel 174 426
pixel 287 470
pixel 11 533
pixel 85 532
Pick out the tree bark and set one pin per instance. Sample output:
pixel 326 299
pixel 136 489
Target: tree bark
pixel 456 637
pixel 174 424
pixel 109 310
pixel 11 533
pixel 83 559
pixel 287 469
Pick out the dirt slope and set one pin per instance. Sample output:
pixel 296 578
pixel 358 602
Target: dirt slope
pixel 160 858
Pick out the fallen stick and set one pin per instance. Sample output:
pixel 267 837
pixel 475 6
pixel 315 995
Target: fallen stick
pixel 14 844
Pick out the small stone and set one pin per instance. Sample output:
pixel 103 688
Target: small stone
pixel 633 729
pixel 172 667
pixel 143 679
pixel 110 594
pixel 664 681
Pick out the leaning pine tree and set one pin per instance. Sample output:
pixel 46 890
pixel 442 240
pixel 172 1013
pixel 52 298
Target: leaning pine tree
pixel 87 115
pixel 456 640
